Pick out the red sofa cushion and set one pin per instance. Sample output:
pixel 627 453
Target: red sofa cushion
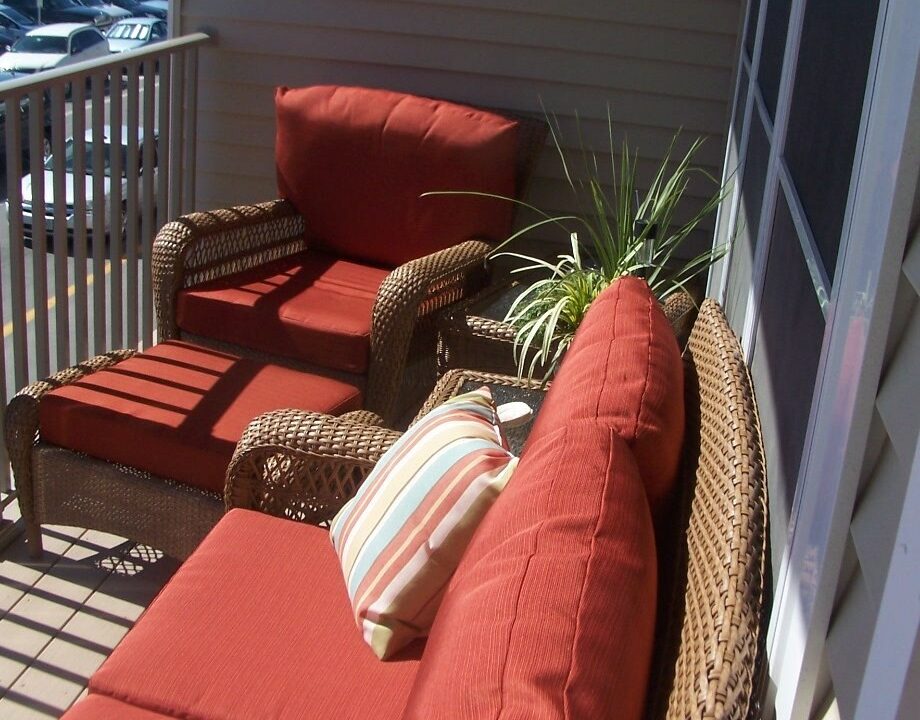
pixel 312 307
pixel 102 707
pixel 354 162
pixel 551 612
pixel 256 624
pixel 624 371
pixel 178 410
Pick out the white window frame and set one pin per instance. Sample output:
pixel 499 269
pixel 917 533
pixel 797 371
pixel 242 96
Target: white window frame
pixel 858 316
pixel 884 176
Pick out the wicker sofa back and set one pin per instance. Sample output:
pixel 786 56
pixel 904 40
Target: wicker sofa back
pixel 709 658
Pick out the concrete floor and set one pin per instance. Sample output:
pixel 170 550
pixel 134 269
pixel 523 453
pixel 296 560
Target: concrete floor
pixel 61 616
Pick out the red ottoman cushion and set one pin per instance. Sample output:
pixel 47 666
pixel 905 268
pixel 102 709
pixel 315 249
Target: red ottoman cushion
pixel 312 307
pixel 354 162
pixel 178 410
pixel 256 624
pixel 101 707
pixel 624 371
pixel 551 612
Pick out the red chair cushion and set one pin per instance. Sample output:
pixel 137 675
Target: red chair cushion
pixel 101 707
pixel 354 162
pixel 256 624
pixel 624 371
pixel 551 612
pixel 312 307
pixel 178 410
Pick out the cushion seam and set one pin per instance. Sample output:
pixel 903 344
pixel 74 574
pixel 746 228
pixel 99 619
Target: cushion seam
pixel 610 344
pixel 517 602
pixel 587 573
pixel 143 705
pixel 648 372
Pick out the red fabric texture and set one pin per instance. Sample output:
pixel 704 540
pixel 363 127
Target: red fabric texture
pixel 256 624
pixel 551 612
pixel 101 707
pixel 354 162
pixel 312 307
pixel 624 371
pixel 178 410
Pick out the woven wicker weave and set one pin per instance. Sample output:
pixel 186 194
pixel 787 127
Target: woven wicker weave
pixel 302 465
pixel 711 658
pixel 205 246
pixel 710 655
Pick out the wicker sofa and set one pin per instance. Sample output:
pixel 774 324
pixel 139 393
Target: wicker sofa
pixel 257 622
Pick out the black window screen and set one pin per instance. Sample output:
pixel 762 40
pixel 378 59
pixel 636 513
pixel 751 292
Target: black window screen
pixel 825 114
pixel 771 52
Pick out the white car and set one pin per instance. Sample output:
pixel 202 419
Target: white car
pixel 135 32
pixel 53 46
pixel 50 200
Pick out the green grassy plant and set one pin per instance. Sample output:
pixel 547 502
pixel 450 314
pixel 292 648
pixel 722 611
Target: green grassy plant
pixel 625 233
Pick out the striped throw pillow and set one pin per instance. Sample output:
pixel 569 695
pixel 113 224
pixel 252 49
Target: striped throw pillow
pixel 401 536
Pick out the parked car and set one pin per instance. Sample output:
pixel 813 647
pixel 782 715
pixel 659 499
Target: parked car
pixel 54 46
pixel 117 12
pixel 50 200
pixel 134 33
pixel 155 8
pixel 23 116
pixel 60 11
pixel 134 7
pixel 13 25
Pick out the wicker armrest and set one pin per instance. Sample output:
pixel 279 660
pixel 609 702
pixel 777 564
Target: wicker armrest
pixel 22 418
pixel 412 291
pixel 302 465
pixel 204 246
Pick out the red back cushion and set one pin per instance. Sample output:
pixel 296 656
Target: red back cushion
pixel 624 371
pixel 354 162
pixel 551 612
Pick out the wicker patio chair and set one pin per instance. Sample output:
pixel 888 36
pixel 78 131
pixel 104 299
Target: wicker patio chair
pixel 203 247
pixel 710 646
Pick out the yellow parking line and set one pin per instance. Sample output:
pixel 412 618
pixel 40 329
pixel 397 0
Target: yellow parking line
pixel 52 301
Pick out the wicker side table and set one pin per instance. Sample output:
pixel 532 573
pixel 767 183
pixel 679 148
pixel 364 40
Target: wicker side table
pixel 473 334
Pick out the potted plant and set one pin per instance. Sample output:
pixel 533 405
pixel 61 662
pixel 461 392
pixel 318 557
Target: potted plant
pixel 616 231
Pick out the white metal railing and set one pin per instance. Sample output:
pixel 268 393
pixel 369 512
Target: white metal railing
pixel 137 112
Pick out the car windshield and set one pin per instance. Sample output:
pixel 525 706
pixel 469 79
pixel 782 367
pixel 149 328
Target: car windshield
pixel 88 161
pixel 95 3
pixel 41 44
pixel 129 31
pixel 16 16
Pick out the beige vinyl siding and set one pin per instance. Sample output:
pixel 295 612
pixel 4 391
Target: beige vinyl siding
pixel 661 65
pixel 885 473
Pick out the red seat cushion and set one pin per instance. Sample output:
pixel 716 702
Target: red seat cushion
pixel 354 162
pixel 312 307
pixel 178 410
pixel 256 624
pixel 624 371
pixel 551 612
pixel 101 707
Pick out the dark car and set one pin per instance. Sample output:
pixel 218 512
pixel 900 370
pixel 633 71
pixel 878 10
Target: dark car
pixel 61 11
pixel 135 7
pixel 23 115
pixel 155 8
pixel 13 25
